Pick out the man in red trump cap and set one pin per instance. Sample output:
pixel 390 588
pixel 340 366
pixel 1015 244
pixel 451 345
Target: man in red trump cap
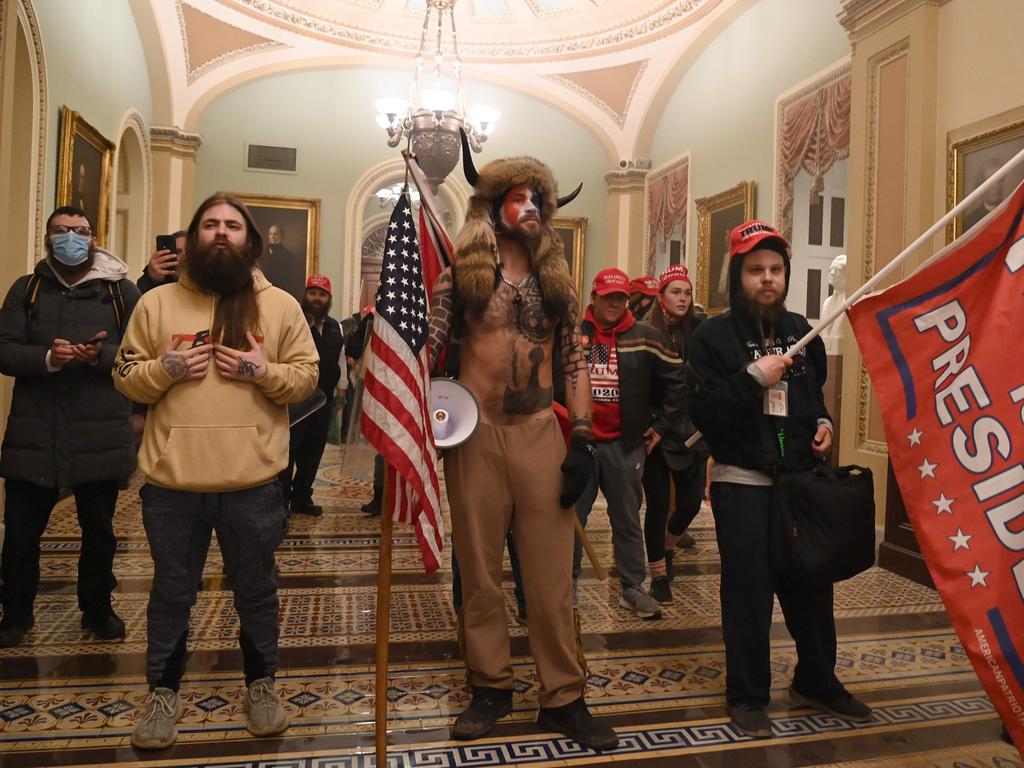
pixel 637 387
pixel 763 413
pixel 309 436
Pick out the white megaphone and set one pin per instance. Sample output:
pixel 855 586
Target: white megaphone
pixel 454 413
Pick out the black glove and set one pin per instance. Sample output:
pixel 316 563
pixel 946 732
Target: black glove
pixel 578 468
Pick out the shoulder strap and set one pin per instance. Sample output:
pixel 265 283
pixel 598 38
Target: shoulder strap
pixel 114 290
pixel 35 280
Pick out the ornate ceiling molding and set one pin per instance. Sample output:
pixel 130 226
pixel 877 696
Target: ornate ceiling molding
pixel 217 42
pixel 630 180
pixel 585 84
pixel 861 18
pixel 664 18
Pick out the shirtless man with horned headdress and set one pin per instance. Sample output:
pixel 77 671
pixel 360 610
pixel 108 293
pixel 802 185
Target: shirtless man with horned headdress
pixel 510 304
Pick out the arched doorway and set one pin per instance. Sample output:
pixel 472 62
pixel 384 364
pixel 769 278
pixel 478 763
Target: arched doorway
pixel 130 238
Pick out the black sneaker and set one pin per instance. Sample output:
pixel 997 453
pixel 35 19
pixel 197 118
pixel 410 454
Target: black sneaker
pixel 487 707
pixel 661 590
pixel 310 509
pixel 13 629
pixel 576 722
pixel 103 623
pixel 371 508
pixel 751 721
pixel 845 706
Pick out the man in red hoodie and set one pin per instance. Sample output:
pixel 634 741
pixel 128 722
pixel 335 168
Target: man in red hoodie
pixel 638 391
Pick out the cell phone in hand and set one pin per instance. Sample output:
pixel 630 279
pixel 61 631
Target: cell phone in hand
pixel 94 340
pixel 166 243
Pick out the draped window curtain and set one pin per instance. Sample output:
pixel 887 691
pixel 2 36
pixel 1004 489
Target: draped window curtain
pixel 814 135
pixel 668 196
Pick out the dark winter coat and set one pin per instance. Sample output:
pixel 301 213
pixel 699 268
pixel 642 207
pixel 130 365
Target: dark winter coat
pixel 68 427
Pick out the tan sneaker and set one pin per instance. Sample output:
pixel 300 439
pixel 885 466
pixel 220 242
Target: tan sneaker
pixel 156 729
pixel 266 712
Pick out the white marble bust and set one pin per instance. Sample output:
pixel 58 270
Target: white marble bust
pixel 837 279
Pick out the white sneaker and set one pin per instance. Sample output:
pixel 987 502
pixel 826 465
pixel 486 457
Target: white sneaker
pixel 267 716
pixel 640 603
pixel 158 727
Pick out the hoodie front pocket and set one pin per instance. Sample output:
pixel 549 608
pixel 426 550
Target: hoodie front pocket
pixel 218 458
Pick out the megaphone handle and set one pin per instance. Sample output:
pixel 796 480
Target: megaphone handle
pixel 602 574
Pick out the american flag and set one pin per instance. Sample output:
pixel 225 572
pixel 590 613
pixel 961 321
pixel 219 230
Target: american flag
pixel 396 417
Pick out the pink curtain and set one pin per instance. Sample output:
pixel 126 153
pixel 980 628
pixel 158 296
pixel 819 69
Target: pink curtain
pixel 815 133
pixel 668 196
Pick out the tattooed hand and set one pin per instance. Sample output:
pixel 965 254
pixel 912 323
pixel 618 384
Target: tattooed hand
pixel 241 366
pixel 188 365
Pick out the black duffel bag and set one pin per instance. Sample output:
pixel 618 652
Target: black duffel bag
pixel 823 525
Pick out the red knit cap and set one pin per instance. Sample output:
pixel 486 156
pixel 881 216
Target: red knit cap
pixel 323 282
pixel 674 272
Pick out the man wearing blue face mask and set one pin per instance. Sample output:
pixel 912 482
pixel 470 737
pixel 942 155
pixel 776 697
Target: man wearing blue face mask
pixel 60 328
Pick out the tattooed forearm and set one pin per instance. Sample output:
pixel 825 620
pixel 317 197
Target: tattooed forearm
pixel 573 361
pixel 442 309
pixel 174 366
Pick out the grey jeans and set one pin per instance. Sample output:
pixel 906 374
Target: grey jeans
pixel 619 475
pixel 250 524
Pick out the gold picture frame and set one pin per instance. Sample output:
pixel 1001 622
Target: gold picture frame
pixel 974 158
pixel 289 262
pixel 573 231
pixel 84 161
pixel 716 217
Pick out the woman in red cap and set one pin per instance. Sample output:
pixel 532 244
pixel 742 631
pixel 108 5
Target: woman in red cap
pixel 671 460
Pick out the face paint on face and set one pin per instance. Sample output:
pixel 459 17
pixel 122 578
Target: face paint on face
pixel 519 210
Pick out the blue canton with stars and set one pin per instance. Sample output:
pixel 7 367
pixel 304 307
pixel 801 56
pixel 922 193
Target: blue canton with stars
pixel 401 298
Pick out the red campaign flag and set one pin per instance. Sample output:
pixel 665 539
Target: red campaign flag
pixel 396 416
pixel 941 348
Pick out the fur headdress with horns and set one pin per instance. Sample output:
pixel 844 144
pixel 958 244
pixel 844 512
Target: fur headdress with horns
pixel 476 242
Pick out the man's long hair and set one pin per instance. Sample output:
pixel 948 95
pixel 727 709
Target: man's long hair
pixel 236 311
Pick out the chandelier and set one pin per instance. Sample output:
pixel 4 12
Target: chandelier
pixel 430 120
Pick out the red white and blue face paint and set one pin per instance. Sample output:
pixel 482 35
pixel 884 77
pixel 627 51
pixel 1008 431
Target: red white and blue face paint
pixel 519 210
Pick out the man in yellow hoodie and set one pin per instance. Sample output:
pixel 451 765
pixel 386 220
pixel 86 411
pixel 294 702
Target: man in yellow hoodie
pixel 217 356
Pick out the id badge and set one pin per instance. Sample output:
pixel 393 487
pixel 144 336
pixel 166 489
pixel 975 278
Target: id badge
pixel 776 400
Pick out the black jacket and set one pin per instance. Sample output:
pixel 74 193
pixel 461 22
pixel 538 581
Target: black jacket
pixel 147 283
pixel 673 445
pixel 329 345
pixel 69 427
pixel 652 392
pixel 727 403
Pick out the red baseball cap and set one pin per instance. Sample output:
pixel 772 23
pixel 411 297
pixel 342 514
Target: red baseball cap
pixel 323 282
pixel 751 234
pixel 611 280
pixel 674 272
pixel 646 285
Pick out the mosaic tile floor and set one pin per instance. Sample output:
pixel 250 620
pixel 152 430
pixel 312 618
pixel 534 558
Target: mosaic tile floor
pixel 66 699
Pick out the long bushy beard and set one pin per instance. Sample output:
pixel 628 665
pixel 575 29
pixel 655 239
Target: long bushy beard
pixel 222 272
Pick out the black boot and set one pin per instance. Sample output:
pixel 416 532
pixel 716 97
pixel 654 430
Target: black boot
pixel 103 622
pixel 488 706
pixel 576 722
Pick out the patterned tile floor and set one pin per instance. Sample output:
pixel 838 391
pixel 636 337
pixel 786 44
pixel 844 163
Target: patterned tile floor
pixel 66 699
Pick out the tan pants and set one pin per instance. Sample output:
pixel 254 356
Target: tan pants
pixel 502 478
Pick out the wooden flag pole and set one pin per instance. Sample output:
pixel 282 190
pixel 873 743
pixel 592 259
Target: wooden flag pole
pixel 380 718
pixel 602 574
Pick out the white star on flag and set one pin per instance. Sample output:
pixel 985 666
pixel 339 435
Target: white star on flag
pixel 960 540
pixel 978 576
pixel 915 437
pixel 942 503
pixel 927 469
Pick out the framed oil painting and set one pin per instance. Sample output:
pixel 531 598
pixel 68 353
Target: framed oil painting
pixel 716 217
pixel 84 160
pixel 573 232
pixel 972 160
pixel 291 238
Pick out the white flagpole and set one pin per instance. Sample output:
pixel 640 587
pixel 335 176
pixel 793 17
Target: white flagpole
pixel 893 265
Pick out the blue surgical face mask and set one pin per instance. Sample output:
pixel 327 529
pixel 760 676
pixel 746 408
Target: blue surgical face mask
pixel 70 249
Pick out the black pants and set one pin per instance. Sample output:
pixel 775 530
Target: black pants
pixel 250 525
pixel 689 484
pixel 742 518
pixel 26 514
pixel 305 449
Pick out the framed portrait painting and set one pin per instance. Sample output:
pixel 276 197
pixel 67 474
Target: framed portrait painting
pixel 716 217
pixel 290 227
pixel 573 231
pixel 84 160
pixel 972 160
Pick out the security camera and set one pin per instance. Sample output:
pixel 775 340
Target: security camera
pixel 624 163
